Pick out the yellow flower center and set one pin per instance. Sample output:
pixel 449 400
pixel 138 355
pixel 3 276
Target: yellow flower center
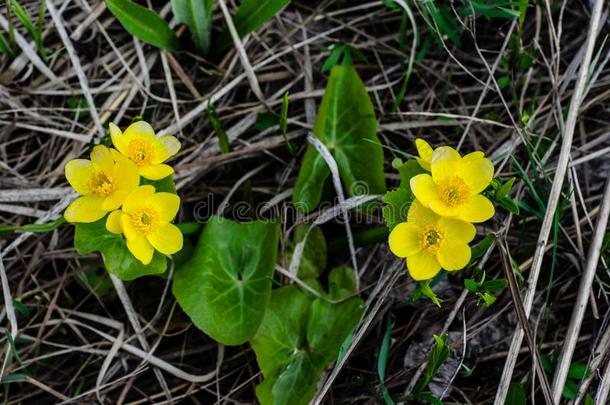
pixel 431 238
pixel 140 152
pixel 453 191
pixel 101 184
pixel 145 220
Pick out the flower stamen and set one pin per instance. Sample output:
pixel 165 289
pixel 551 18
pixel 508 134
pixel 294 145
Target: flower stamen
pixel 145 220
pixel 431 238
pixel 101 184
pixel 453 191
pixel 140 152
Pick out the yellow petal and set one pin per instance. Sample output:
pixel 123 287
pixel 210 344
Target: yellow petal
pixel 476 209
pixel 443 209
pixel 127 226
pixel 474 155
pixel 78 173
pixel 420 215
pixel 126 175
pixel 137 198
pixel 404 239
pixel 113 222
pixel 424 188
pixel 165 147
pixel 424 150
pixel 166 205
pixel 453 255
pixel 141 248
pixel 156 172
pixel 476 173
pixel 118 138
pixel 118 156
pixel 140 129
pixel 114 200
pixel 167 239
pixel 423 266
pixel 444 153
pixel 102 159
pixel 85 209
pixel 457 229
pixel 442 169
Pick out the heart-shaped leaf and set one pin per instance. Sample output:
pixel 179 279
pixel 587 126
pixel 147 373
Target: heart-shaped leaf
pixel 224 288
pixel 347 126
pixel 144 24
pixel 118 259
pixel 300 336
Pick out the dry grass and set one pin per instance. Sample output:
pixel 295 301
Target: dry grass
pixel 77 344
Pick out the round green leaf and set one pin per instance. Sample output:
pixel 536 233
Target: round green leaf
pixel 225 286
pixel 118 259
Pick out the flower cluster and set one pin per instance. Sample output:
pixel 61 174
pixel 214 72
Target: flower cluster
pixel 447 202
pixel 109 183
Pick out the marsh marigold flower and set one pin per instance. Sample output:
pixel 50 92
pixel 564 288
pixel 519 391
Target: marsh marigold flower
pixel 102 182
pixel 430 242
pixel 452 189
pixel 145 220
pixel 425 152
pixel 140 145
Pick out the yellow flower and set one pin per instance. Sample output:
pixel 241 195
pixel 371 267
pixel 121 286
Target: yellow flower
pixel 452 189
pixel 430 242
pixel 140 145
pixel 102 182
pixel 426 152
pixel 145 219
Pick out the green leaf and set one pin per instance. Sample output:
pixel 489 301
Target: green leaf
pixel 313 259
pixel 397 206
pixel 347 126
pixel 399 200
pixel 118 259
pixel 298 338
pixel 22 308
pixel 516 395
pixel 437 357
pixel 266 120
pixel 578 371
pixel 223 139
pixel 144 24
pixel 225 286
pixel 382 359
pixel 480 248
pixel 197 16
pixel 165 185
pixel 570 390
pixel 494 286
pixel 505 188
pixel 589 400
pixel 471 285
pixel 423 287
pixel 250 15
pixel 5 46
pixel 27 22
pixel 510 205
pixel 407 170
